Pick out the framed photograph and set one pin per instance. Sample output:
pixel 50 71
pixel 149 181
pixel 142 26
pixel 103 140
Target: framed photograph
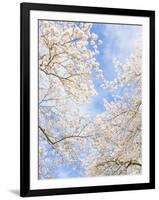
pixel 87 99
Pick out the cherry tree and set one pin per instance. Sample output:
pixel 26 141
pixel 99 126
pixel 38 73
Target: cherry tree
pixel 108 144
pixel 118 130
pixel 66 59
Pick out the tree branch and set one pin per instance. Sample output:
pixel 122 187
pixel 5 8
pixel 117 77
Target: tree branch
pixel 64 138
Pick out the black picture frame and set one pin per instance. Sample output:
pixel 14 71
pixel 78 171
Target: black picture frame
pixel 25 9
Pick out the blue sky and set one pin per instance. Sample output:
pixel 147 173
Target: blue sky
pixel 118 42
